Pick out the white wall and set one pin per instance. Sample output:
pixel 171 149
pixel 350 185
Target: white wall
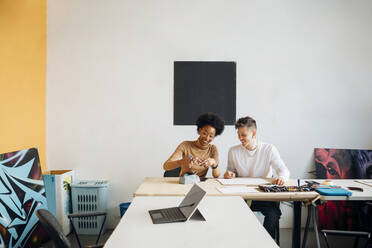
pixel 304 71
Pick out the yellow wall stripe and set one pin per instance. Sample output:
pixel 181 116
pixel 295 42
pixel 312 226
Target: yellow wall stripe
pixel 23 75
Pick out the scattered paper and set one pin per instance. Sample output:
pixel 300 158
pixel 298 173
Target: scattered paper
pixel 237 190
pixel 244 181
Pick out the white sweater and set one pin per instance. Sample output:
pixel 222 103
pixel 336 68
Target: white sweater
pixel 256 163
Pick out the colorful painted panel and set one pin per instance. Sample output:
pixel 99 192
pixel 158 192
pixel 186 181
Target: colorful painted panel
pixel 343 164
pixel 22 192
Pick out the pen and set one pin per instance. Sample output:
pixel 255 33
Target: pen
pixel 191 163
pixel 190 157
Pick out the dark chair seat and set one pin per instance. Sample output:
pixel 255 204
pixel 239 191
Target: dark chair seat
pixel 365 212
pixel 342 233
pixel 172 173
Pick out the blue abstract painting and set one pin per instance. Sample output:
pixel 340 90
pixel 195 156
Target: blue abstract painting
pixel 22 192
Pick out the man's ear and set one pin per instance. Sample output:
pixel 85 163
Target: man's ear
pixel 254 133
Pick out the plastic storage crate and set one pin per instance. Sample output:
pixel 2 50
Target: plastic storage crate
pixel 89 196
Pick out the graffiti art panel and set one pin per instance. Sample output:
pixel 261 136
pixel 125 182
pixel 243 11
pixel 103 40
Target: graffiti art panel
pixel 22 192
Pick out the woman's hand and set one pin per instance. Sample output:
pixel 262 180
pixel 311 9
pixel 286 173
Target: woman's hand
pixel 229 175
pixel 208 162
pixel 188 164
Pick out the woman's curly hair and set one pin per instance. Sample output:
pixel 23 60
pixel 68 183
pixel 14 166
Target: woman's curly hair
pixel 211 119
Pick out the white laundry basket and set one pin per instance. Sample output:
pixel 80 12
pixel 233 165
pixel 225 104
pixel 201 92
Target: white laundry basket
pixel 89 196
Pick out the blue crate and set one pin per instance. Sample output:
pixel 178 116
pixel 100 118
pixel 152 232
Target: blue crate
pixel 89 196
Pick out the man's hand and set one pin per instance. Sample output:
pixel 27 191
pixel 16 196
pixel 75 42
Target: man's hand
pixel 278 181
pixel 229 175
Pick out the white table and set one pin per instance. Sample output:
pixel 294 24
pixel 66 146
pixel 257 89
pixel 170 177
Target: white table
pixel 229 223
pixel 170 186
pixel 366 195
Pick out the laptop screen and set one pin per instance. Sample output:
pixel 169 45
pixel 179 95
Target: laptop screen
pixel 191 200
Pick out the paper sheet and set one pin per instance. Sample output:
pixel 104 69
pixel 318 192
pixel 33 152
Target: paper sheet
pixel 244 181
pixel 237 190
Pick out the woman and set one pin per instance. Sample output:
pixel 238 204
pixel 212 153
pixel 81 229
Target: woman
pixel 197 156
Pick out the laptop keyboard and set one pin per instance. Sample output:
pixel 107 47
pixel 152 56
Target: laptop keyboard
pixel 172 214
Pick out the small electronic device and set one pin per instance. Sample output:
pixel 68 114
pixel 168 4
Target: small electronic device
pixel 186 209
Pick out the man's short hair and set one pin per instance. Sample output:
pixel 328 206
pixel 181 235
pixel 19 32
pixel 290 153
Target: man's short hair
pixel 246 122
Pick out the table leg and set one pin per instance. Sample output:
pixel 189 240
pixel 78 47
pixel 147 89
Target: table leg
pixel 315 218
pixel 296 234
pixel 308 219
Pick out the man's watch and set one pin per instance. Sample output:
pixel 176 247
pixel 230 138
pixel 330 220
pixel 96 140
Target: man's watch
pixel 215 167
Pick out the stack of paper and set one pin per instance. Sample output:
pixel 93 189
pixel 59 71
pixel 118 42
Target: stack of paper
pixel 237 190
pixel 244 181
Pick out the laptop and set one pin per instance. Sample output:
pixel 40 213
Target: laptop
pixel 181 213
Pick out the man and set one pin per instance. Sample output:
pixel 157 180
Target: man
pixel 257 159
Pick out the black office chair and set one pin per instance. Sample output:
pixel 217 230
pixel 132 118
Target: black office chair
pixel 172 173
pixel 355 234
pixel 54 229
pixel 364 216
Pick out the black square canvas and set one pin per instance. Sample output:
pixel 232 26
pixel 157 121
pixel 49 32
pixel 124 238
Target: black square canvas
pixel 204 86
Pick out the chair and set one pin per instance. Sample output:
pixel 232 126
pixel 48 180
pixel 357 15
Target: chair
pixel 313 210
pixel 355 234
pixel 54 229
